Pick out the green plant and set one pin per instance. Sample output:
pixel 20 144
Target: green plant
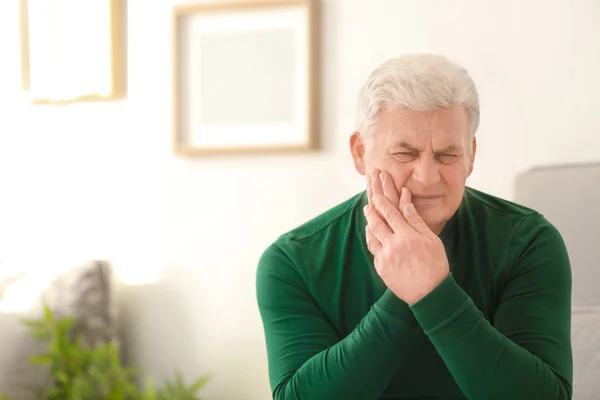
pixel 84 372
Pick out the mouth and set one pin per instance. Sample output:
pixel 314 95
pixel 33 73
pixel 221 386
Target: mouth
pixel 426 197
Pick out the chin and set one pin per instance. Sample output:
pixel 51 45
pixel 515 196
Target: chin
pixel 433 218
pixel 431 212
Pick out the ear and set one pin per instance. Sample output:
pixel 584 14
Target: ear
pixel 357 148
pixel 472 155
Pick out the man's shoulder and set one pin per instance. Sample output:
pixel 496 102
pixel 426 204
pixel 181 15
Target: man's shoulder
pixel 313 238
pixel 513 232
pixel 481 201
pixel 507 216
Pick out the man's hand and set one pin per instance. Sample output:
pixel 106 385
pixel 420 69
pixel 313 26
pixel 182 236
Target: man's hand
pixel 409 257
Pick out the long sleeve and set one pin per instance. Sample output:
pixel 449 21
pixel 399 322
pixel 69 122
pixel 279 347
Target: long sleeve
pixel 525 352
pixel 307 358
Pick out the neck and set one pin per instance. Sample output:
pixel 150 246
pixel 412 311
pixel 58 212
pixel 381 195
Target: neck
pixel 437 229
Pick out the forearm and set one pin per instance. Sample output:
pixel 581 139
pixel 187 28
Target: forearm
pixel 485 364
pixel 359 366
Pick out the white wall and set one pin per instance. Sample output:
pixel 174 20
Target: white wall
pixel 96 180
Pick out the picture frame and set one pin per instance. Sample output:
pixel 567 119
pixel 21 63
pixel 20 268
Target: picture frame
pixel 246 77
pixel 73 50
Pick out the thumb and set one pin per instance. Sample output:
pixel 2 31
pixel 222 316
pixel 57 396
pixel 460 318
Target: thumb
pixel 414 219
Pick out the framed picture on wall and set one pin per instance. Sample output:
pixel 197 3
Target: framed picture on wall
pixel 72 50
pixel 245 77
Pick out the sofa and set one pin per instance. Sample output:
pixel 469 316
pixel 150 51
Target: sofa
pixel 569 197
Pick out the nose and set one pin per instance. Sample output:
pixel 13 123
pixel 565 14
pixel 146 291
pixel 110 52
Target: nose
pixel 426 172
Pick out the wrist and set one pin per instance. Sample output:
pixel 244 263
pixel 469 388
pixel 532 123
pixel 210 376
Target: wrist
pixel 427 290
pixel 390 303
pixel 440 303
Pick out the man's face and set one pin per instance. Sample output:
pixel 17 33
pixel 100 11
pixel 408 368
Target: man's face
pixel 430 152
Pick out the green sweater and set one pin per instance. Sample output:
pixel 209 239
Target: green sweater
pixel 498 327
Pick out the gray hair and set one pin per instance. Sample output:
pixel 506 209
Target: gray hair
pixel 420 82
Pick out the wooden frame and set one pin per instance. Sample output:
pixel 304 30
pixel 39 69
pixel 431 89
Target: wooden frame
pixel 208 108
pixel 71 51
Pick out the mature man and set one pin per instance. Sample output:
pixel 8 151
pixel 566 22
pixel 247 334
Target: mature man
pixel 419 287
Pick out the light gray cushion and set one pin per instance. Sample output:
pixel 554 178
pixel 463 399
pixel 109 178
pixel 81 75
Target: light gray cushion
pixel 569 197
pixel 84 293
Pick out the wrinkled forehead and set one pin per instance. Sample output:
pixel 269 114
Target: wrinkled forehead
pixel 448 127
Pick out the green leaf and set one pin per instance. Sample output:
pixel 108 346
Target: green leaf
pixel 61 376
pixel 200 383
pixel 150 391
pixel 65 324
pixel 48 316
pixel 42 359
pixel 33 323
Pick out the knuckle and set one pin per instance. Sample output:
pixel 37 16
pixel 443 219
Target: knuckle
pixel 388 252
pixel 388 214
pixel 393 219
pixel 376 225
pixel 415 219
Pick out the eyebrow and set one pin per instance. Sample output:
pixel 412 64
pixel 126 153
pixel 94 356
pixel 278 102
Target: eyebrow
pixel 405 145
pixel 450 149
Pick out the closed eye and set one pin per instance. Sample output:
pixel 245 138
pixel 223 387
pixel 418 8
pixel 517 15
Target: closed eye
pixel 406 156
pixel 447 158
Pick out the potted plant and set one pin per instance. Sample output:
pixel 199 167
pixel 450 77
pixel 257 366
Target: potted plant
pixel 83 372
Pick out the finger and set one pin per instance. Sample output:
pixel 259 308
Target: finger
pixel 373 244
pixel 381 231
pixel 391 215
pixel 413 218
pixel 376 186
pixel 369 190
pixel 405 198
pixel 389 190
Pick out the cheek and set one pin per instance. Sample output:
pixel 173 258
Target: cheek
pixel 399 172
pixel 455 175
pixel 454 179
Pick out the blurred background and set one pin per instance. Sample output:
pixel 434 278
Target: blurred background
pixel 100 180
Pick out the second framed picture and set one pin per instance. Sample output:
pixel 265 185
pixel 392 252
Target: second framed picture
pixel 246 77
pixel 73 50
